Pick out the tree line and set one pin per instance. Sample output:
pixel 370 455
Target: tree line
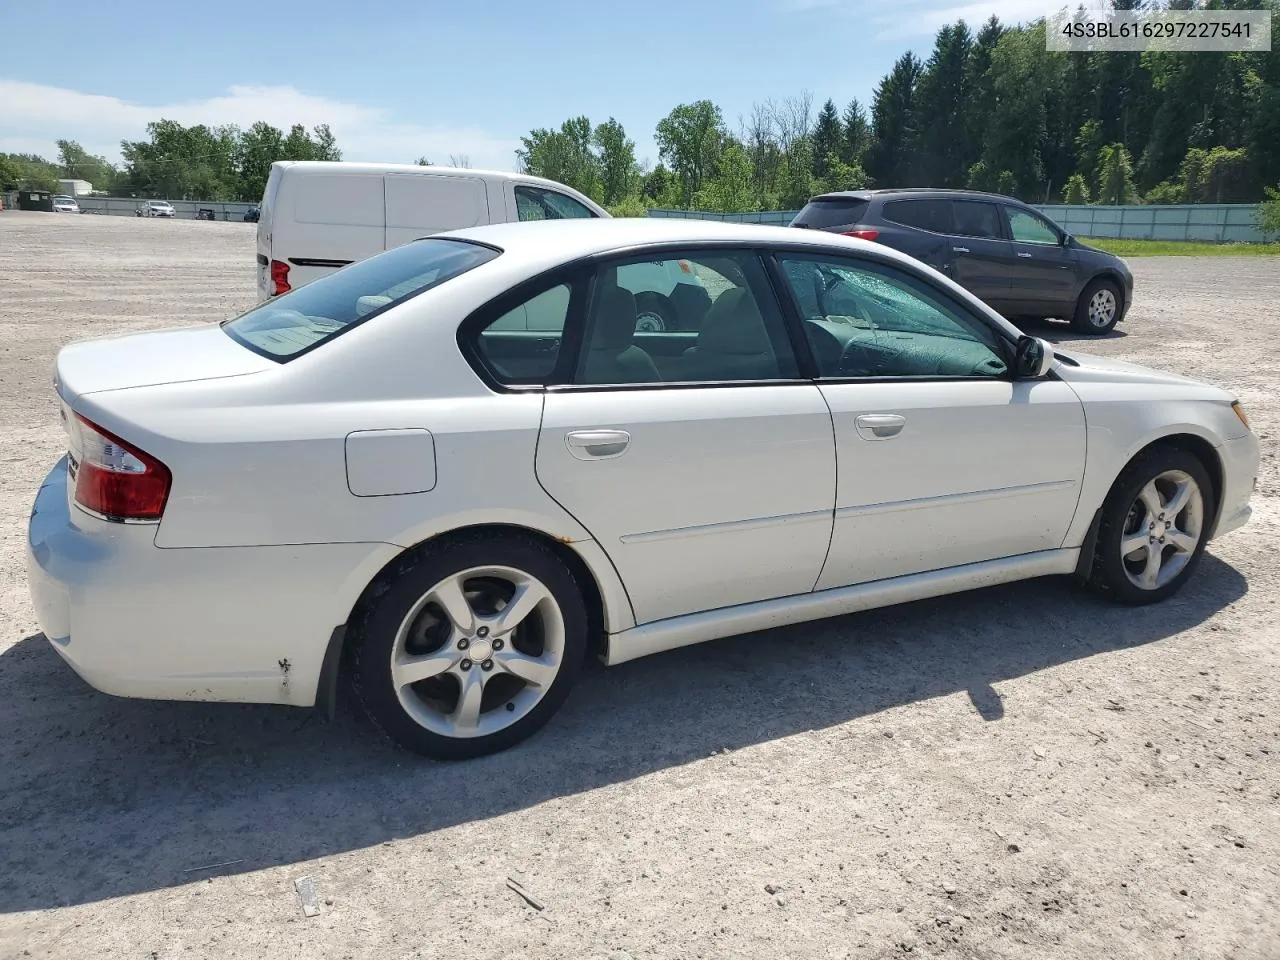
pixel 177 162
pixel 989 109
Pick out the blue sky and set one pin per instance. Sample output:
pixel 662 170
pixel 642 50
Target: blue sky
pixel 397 79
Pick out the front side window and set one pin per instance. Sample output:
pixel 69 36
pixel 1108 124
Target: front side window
pixel 738 335
pixel 976 218
pixel 535 203
pixel 306 317
pixel 868 320
pixel 1026 227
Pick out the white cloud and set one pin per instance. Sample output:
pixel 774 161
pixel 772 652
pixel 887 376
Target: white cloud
pixel 33 116
pixel 922 18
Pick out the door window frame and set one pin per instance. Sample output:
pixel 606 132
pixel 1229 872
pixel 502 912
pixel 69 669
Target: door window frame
pixel 767 295
pixel 1005 344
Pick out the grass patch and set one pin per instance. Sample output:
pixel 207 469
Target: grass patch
pixel 1182 248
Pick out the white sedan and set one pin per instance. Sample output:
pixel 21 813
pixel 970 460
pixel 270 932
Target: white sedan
pixel 457 469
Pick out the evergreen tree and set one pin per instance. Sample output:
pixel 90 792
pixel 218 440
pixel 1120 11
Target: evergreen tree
pixel 893 124
pixel 827 135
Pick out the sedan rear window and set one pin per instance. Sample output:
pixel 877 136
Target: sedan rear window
pixel 830 212
pixel 296 322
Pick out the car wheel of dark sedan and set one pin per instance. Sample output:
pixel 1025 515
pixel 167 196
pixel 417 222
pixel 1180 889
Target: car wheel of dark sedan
pixel 1098 309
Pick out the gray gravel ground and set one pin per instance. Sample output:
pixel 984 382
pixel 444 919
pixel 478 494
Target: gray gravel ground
pixel 1020 772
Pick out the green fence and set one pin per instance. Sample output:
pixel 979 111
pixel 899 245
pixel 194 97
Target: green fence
pixel 1212 222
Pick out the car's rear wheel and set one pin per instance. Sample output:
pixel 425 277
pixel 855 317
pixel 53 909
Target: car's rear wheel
pixel 1154 527
pixel 1098 309
pixel 654 313
pixel 472 647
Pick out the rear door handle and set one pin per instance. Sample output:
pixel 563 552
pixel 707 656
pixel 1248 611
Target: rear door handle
pixel 880 426
pixel 1024 256
pixel 959 249
pixel 597 444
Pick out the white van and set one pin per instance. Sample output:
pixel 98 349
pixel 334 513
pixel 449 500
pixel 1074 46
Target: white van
pixel 317 216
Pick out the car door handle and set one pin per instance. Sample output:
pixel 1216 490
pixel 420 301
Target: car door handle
pixel 597 444
pixel 1024 256
pixel 959 249
pixel 880 426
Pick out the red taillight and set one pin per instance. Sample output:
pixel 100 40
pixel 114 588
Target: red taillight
pixel 280 277
pixel 862 234
pixel 115 479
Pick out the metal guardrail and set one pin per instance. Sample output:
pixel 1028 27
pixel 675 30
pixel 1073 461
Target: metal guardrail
pixel 1206 222
pixel 127 207
pixel 1211 222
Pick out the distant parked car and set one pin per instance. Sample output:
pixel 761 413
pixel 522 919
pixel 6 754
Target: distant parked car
pixel 154 208
pixel 1017 260
pixel 251 215
pixel 65 205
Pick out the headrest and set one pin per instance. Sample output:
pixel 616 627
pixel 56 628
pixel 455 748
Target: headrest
pixel 614 318
pixel 734 326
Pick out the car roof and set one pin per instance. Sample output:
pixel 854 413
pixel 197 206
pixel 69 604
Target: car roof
pixel 561 241
pixel 332 167
pixel 912 191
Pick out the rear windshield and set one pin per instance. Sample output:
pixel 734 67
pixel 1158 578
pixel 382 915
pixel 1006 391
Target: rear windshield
pixel 830 212
pixel 295 322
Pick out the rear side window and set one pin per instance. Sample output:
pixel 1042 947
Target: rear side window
pixel 296 322
pixel 534 203
pixel 977 218
pixel 932 215
pixel 830 212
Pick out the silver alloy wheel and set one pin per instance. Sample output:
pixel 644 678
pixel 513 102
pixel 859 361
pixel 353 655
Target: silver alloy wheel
pixel 478 651
pixel 1162 530
pixel 1102 308
pixel 649 321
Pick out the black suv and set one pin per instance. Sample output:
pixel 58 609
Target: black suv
pixel 1003 251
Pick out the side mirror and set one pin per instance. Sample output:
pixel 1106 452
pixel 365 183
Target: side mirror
pixel 1033 358
pixel 1068 240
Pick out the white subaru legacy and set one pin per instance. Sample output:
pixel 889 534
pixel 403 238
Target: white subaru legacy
pixel 458 468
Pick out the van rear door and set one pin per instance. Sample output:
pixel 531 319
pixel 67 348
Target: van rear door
pixel 420 204
pixel 265 210
pixel 323 221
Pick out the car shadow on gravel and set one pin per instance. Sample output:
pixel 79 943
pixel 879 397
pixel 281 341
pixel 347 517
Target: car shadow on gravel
pixel 103 797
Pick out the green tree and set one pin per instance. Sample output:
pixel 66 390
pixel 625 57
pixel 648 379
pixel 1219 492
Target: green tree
pixel 1115 175
pixel 184 163
pixel 78 164
pixel 1020 76
pixel 1088 147
pixel 941 148
pixel 1268 214
pixel 260 146
pixel 893 123
pixel 618 171
pixel 1167 191
pixel 26 171
pixel 691 138
pixel 564 155
pixel 731 189
pixel 827 136
pixel 1077 190
pixel 857 135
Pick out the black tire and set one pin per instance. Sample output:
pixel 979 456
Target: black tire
pixel 1082 323
pixel 377 626
pixel 1108 575
pixel 660 315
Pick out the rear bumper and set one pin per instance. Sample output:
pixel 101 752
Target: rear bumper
pixel 246 624
pixel 1240 459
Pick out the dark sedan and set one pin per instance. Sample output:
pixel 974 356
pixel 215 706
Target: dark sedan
pixel 1005 252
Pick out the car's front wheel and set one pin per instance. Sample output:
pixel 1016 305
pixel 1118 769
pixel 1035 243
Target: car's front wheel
pixel 472 647
pixel 1098 309
pixel 1154 526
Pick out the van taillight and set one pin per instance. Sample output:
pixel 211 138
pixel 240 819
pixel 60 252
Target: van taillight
pixel 280 277
pixel 115 479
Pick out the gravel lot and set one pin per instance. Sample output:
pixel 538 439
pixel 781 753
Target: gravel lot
pixel 1019 772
